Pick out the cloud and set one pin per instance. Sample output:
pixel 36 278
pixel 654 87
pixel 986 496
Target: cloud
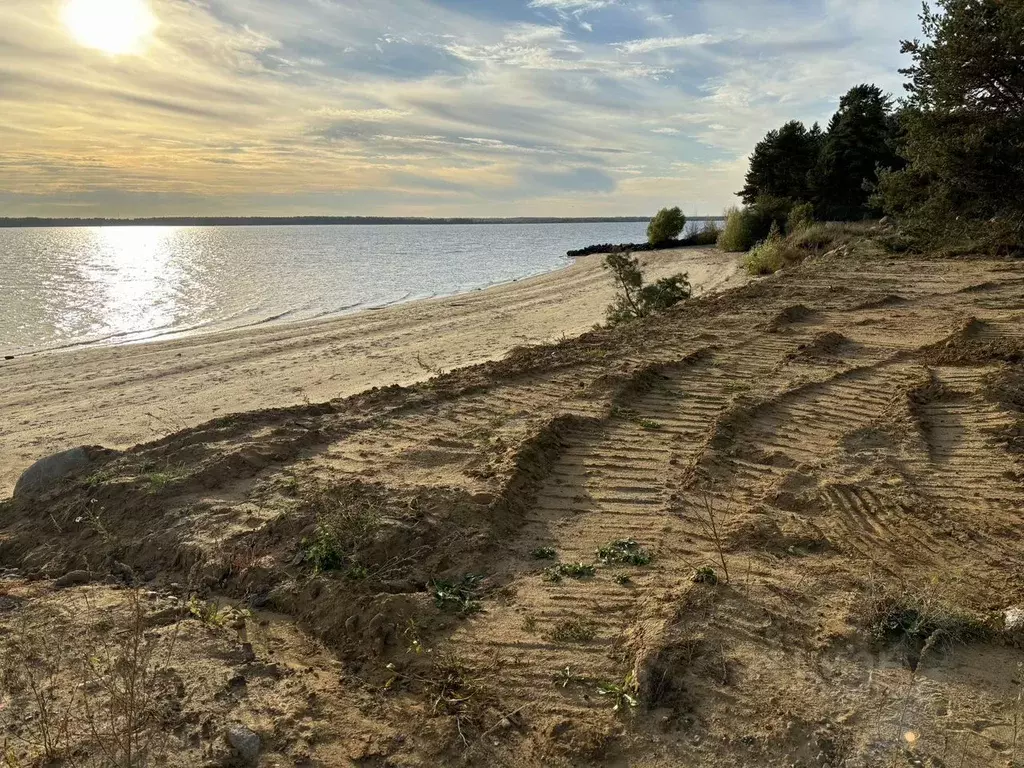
pixel 591 180
pixel 572 6
pixel 422 106
pixel 662 43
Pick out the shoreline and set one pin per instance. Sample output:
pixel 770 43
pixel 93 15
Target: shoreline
pixel 122 395
pixel 159 335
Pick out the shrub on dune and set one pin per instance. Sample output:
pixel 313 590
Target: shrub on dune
pixel 635 300
pixel 800 218
pixel 666 226
pixel 708 234
pixel 739 233
pixel 770 255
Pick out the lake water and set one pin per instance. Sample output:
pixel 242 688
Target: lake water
pixel 62 287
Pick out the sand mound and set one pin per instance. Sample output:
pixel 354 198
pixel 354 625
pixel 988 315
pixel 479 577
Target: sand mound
pixel 796 313
pixel 827 345
pixel 883 302
pixel 975 342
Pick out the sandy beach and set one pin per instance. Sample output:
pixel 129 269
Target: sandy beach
pixel 121 396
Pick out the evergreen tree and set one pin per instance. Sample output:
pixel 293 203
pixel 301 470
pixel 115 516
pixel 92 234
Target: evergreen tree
pixel 858 142
pixel 964 121
pixel 781 162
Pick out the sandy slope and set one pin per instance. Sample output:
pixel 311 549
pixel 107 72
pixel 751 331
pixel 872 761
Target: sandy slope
pixel 854 425
pixel 121 396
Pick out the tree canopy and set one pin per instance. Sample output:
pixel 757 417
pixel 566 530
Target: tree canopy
pixel 963 125
pixel 666 226
pixel 782 162
pixel 860 139
pixel 834 169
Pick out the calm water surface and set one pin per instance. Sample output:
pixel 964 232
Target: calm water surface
pixel 61 287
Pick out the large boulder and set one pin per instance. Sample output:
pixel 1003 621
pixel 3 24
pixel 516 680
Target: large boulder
pixel 47 473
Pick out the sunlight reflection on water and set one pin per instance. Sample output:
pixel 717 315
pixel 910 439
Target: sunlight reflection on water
pixel 64 286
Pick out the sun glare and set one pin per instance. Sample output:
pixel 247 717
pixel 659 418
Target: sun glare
pixel 113 26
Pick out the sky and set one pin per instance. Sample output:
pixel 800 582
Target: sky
pixel 416 107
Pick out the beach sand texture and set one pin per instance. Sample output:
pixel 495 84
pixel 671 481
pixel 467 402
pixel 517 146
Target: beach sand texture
pixel 476 569
pixel 120 396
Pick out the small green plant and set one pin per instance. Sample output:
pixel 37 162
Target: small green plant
pixel 357 572
pixel 460 597
pixel 624 552
pixel 158 481
pixel 208 612
pixel 572 570
pixel 705 575
pixel 623 580
pixel 563 678
pixel 666 226
pixel 544 553
pixel 648 424
pixel 622 694
pixel 323 550
pixel 574 629
pixel 634 300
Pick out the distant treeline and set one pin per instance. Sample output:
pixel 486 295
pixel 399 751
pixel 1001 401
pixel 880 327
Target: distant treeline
pixel 248 221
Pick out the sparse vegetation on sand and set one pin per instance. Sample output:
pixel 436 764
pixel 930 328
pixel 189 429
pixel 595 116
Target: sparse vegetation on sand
pixel 624 552
pixel 571 570
pixel 634 300
pixel 770 483
pixel 573 629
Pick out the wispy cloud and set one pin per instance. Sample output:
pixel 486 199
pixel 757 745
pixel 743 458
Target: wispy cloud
pixel 420 106
pixel 662 43
pixel 572 6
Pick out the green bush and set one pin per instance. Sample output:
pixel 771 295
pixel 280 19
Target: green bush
pixel 823 237
pixel 739 234
pixel 768 256
pixel 800 218
pixel 769 210
pixel 665 226
pixel 634 299
pixel 817 237
pixel 707 234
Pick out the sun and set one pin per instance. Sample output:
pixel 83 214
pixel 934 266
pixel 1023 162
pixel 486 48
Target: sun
pixel 112 26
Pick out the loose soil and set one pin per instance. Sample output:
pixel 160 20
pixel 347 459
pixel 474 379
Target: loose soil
pixel 811 486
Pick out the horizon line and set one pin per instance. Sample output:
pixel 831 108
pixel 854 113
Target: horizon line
pixel 67 221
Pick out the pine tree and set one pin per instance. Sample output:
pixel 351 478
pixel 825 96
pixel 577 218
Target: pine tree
pixel 781 162
pixel 857 143
pixel 964 121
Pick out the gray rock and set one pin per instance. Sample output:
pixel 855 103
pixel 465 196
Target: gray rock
pixel 47 473
pixel 71 578
pixel 246 743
